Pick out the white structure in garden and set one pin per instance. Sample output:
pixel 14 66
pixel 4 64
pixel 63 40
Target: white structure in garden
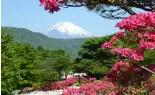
pixel 71 74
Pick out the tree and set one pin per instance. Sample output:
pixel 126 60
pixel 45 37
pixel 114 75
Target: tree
pixel 91 68
pixel 29 65
pixel 112 9
pixel 19 67
pixel 93 60
pixel 8 68
pixel 91 49
pixel 57 60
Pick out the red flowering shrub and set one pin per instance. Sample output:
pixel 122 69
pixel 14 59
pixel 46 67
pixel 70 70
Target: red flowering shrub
pixel 67 83
pixel 102 87
pixel 125 71
pixel 128 76
pixel 60 84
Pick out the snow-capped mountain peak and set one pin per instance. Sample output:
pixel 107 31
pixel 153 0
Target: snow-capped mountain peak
pixel 67 30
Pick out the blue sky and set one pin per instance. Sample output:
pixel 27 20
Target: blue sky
pixel 28 14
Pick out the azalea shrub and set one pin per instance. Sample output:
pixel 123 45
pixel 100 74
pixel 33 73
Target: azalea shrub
pixel 67 83
pixel 100 87
pixel 128 75
pixel 106 87
pixel 140 29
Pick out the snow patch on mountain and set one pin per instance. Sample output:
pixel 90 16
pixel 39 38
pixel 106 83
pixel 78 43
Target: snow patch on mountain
pixel 67 30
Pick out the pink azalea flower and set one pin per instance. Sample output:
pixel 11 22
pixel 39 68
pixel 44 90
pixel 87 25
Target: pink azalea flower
pixel 107 45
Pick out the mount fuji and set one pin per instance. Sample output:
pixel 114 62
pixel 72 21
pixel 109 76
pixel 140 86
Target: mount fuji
pixel 67 30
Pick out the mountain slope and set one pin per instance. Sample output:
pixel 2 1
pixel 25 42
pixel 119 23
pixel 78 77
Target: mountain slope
pixel 67 30
pixel 23 35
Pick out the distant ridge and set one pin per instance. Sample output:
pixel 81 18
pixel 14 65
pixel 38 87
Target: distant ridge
pixel 36 39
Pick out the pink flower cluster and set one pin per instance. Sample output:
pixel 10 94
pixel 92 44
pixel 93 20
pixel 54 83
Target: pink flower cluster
pixel 135 55
pixel 149 85
pixel 146 45
pixel 119 71
pixel 92 79
pixel 150 35
pixel 68 82
pixel 51 5
pixel 118 35
pixel 147 40
pixel 105 87
pixel 102 87
pixel 145 37
pixel 120 65
pixel 138 21
pixel 109 44
pixel 122 71
pixel 72 91
pixel 61 84
pixel 125 52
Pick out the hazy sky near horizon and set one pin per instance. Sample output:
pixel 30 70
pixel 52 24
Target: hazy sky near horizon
pixel 28 14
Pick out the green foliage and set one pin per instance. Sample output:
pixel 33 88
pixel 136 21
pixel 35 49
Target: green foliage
pixel 8 68
pixel 57 60
pixel 29 69
pixel 91 49
pixel 149 57
pixel 91 68
pixel 19 67
pixel 49 75
pixel 93 59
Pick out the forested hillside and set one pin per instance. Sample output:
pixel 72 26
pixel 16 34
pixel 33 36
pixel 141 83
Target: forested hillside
pixel 23 35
